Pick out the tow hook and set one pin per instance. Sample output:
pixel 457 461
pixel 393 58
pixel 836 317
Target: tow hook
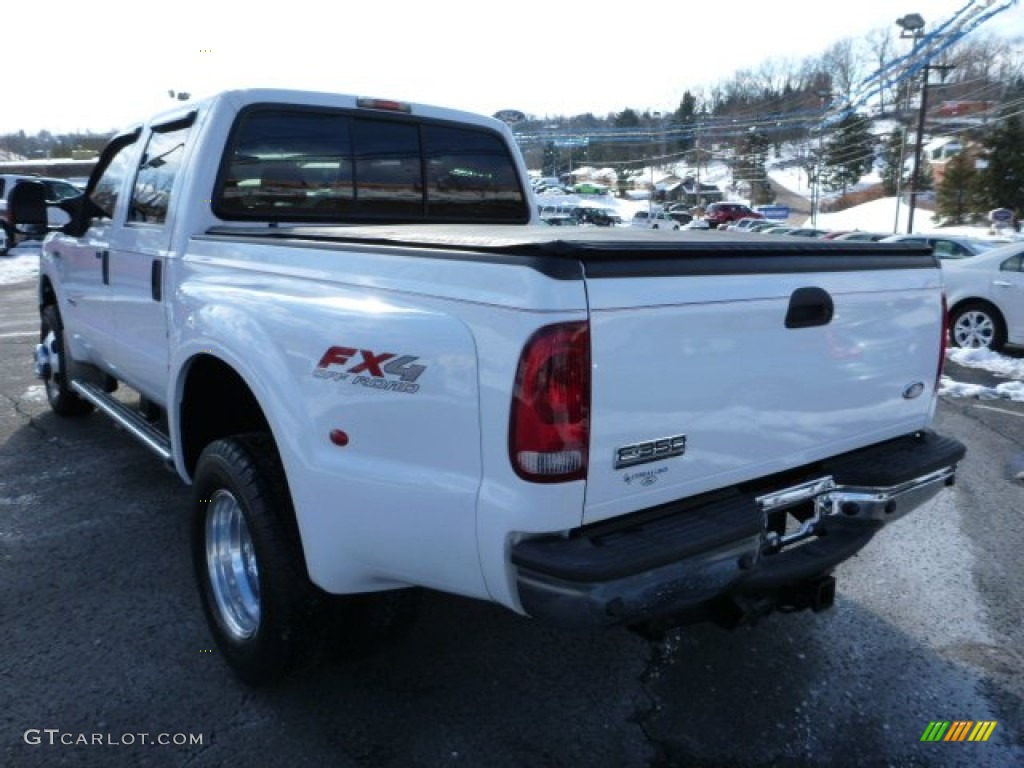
pixel 43 368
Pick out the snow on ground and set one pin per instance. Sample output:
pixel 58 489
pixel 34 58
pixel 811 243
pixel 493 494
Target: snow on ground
pixel 20 264
pixel 1011 368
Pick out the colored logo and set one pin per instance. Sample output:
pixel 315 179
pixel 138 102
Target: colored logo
pixel 958 730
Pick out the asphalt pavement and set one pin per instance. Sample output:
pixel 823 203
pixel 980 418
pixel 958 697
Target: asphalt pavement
pixel 106 660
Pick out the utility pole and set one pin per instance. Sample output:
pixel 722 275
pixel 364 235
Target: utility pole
pixel 825 96
pixel 899 179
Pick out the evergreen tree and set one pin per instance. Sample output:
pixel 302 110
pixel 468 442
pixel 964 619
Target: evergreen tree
pixel 956 196
pixel 1003 180
pixel 894 155
pixel 685 119
pixel 750 167
pixel 849 154
pixel 549 165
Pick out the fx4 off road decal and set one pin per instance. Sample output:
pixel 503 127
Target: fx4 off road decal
pixel 365 368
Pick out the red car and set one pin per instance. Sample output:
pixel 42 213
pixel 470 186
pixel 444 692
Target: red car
pixel 723 213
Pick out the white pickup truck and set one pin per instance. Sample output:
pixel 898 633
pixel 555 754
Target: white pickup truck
pixel 339 321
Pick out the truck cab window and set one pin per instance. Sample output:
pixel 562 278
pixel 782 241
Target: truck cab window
pixel 341 167
pixel 105 192
pixel 470 176
pixel 155 179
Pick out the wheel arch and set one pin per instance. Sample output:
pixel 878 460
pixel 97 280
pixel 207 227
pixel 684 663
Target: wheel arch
pixel 215 401
pixel 968 300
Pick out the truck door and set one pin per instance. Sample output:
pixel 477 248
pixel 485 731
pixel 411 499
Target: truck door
pixel 138 260
pixel 84 261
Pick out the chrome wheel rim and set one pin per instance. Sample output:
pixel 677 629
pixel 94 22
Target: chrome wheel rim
pixel 52 383
pixel 974 329
pixel 231 563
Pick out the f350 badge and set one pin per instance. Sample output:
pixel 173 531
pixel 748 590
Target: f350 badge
pixel 650 450
pixel 366 368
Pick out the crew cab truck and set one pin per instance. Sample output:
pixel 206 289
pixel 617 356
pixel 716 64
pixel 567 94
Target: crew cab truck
pixel 338 320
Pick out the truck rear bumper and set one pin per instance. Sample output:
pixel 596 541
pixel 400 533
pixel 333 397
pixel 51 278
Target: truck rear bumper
pixel 770 544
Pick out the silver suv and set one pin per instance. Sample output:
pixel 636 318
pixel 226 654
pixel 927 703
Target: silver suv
pixel 56 190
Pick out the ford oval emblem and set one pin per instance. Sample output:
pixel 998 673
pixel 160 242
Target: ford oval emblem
pixel 913 390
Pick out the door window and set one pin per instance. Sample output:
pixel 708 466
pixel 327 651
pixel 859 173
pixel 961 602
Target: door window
pixel 154 181
pixel 116 167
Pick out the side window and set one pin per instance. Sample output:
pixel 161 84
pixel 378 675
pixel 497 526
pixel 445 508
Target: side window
pixel 154 181
pixel 470 175
pixel 1013 264
pixel 950 250
pixel 59 190
pixel 105 191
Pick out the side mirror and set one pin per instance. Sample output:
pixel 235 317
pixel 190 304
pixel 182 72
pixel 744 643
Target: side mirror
pixel 26 208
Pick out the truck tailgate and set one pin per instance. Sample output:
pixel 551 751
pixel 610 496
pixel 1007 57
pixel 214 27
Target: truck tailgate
pixel 717 368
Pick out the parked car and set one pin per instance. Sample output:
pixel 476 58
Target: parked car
pixel 560 220
pixel 640 219
pixel 601 217
pixel 761 226
pixel 655 220
pixel 744 224
pixel 985 295
pixel 860 236
pixel 56 190
pixel 681 216
pixel 947 246
pixel 807 232
pixel 723 213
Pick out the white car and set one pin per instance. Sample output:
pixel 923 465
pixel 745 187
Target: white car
pixel 985 294
pixel 656 220
pixel 947 247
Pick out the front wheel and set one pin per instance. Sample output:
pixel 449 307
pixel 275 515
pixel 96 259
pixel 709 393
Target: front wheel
pixel 977 325
pixel 52 365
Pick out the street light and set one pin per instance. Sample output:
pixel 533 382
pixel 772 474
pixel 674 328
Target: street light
pixel 912 26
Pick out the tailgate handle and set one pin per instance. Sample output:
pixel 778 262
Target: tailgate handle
pixel 809 307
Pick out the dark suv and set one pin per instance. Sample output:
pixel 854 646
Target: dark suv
pixel 56 190
pixel 723 213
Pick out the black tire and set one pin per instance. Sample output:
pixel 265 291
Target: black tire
pixel 6 238
pixel 63 401
pixel 977 325
pixel 295 623
pixel 265 621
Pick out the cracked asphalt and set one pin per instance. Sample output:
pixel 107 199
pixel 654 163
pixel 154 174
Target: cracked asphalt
pixel 102 637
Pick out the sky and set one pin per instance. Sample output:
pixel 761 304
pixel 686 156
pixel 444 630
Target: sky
pixel 100 65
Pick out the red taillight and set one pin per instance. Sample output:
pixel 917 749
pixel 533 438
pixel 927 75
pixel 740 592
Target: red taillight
pixel 943 342
pixel 549 429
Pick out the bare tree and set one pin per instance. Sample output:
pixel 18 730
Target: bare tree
pixel 880 44
pixel 843 62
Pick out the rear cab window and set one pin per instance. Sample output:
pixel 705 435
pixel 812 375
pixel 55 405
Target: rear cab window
pixel 302 164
